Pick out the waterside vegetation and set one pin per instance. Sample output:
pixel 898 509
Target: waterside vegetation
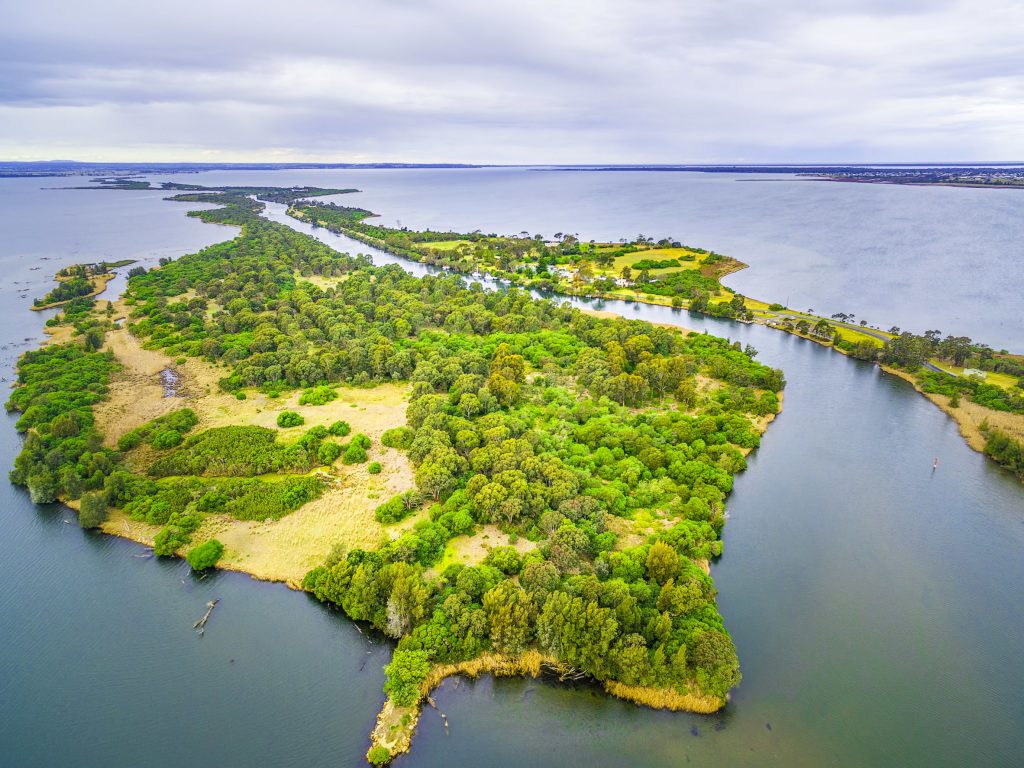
pixel 950 370
pixel 601 451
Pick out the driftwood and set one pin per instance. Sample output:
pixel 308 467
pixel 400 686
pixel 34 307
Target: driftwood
pixel 444 717
pixel 201 624
pixel 565 672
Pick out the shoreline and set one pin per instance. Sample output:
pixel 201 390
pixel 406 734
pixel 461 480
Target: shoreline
pixel 99 286
pixel 396 725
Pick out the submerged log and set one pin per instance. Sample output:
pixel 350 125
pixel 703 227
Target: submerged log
pixel 444 717
pixel 201 624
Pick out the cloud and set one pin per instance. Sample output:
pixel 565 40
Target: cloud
pixel 527 81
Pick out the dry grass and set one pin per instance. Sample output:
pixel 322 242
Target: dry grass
pixel 666 698
pixel 320 281
pixel 396 725
pixel 136 393
pixel 969 416
pixel 286 549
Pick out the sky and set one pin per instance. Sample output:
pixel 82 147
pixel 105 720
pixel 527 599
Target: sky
pixel 530 81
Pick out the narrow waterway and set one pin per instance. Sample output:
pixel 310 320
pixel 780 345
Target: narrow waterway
pixel 875 604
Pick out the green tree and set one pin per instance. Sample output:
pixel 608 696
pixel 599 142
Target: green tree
pixel 93 510
pixel 662 562
pixel 205 555
pixel 405 674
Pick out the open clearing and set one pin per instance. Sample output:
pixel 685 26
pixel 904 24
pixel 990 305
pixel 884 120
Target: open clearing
pixel 286 549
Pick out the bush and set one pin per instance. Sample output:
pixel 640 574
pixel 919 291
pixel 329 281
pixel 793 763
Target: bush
pixel 398 507
pixel 374 468
pixel 362 441
pixel 166 438
pixel 339 428
pixel 317 396
pixel 354 454
pixel 378 755
pixel 155 432
pixel 328 452
pixel 290 419
pixel 93 510
pixel 205 555
pixel 505 559
pixel 399 437
pixel 240 395
pixel 234 452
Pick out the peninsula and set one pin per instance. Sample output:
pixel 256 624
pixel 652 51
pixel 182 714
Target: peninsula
pixel 499 483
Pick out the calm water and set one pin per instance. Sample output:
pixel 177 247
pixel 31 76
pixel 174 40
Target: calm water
pixel 875 605
pixel 916 257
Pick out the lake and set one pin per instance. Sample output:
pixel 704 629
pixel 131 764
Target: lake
pixel 875 604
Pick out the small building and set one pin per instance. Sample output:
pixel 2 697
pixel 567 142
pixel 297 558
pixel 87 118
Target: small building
pixel 975 372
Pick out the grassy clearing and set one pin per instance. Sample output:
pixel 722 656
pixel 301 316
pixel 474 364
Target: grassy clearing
pixel 283 550
pixel 320 281
pixel 471 550
pixel 657 254
pixel 849 334
pixel 1004 380
pixel 444 245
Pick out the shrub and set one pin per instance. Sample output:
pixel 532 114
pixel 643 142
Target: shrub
pixel 241 451
pixel 505 559
pixel 240 395
pixel 176 534
pixel 399 437
pixel 154 432
pixel 362 441
pixel 317 396
pixel 339 428
pixel 205 555
pixel 328 452
pixel 374 468
pixel 378 755
pixel 287 419
pixel 354 454
pixel 398 507
pixel 166 438
pixel 93 510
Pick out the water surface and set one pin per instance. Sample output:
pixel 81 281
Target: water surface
pixel 875 605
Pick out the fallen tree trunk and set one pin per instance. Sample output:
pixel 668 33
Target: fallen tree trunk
pixel 201 624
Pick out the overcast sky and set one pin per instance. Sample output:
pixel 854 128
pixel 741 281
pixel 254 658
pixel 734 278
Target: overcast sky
pixel 599 81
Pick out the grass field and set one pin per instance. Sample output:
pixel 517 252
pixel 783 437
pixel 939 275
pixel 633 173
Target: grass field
pixel 687 260
pixel 444 245
pixel 1004 380
pixel 286 549
pixel 471 550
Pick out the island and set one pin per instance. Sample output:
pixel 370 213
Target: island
pixel 79 281
pixel 499 483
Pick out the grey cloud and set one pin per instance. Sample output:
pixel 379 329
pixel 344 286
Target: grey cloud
pixel 527 81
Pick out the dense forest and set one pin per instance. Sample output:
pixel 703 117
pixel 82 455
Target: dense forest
pixel 524 414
